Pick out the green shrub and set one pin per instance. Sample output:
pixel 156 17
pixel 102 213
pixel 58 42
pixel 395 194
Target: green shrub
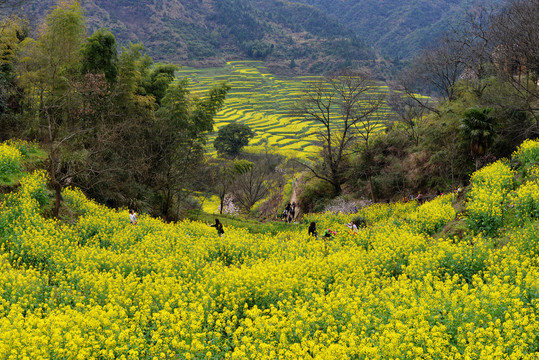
pixel 10 161
pixel 487 196
pixel 525 201
pixel 527 155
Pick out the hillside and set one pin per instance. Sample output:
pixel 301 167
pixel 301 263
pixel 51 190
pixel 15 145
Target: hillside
pixel 399 29
pixel 92 285
pixel 202 33
pixel 262 101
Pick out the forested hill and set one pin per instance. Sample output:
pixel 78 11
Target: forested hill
pixel 398 28
pixel 287 35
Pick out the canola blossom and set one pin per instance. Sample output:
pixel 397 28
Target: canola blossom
pixel 10 160
pixel 527 154
pixel 98 287
pixel 487 197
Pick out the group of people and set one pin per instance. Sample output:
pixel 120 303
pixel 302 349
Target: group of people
pixel 289 212
pixel 419 198
pixel 328 233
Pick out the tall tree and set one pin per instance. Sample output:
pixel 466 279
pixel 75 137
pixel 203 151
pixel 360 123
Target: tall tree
pixel 345 104
pixel 100 55
pixel 479 130
pixel 12 31
pixel 179 137
pixel 232 138
pixel 435 73
pixel 49 67
pixel 516 33
pixel 473 36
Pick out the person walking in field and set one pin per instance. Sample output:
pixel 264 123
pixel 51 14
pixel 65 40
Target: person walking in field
pixel 286 213
pixel 312 230
pixel 219 227
pixel 133 217
pixel 292 212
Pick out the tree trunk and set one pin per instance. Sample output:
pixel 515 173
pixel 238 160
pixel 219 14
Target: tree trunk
pixel 222 198
pixel 337 188
pixel 57 199
pixel 373 198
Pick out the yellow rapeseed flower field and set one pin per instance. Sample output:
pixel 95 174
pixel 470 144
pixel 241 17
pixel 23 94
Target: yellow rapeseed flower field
pixel 101 288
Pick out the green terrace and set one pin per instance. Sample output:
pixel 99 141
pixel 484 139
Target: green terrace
pixel 263 102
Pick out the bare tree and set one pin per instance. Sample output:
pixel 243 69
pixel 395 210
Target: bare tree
pixel 408 112
pixel 251 187
pixel 256 180
pixel 473 36
pixel 225 173
pixel 435 73
pixel 344 105
pixel 516 32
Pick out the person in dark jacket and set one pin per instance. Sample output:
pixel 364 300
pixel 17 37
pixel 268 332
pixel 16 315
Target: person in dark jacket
pixel 312 230
pixel 219 227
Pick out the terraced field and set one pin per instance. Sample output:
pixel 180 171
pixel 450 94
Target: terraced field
pixel 262 101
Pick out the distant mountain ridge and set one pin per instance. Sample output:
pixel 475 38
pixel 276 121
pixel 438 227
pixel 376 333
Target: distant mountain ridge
pixel 301 36
pixel 285 34
pixel 399 28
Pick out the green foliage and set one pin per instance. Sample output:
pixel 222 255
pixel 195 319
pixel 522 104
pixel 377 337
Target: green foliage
pixel 10 162
pixel 526 156
pixel 525 201
pixel 487 196
pixel 315 195
pixel 178 137
pixel 100 55
pixel 478 128
pixel 161 76
pixel 232 138
pixel 257 49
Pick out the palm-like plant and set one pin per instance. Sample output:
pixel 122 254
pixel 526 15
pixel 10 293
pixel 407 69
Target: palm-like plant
pixel 478 128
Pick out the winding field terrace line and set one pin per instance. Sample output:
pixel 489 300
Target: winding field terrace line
pixel 262 101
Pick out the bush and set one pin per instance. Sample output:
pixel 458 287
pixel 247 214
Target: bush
pixel 525 201
pixel 315 196
pixel 10 161
pixel 527 155
pixel 433 215
pixel 486 198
